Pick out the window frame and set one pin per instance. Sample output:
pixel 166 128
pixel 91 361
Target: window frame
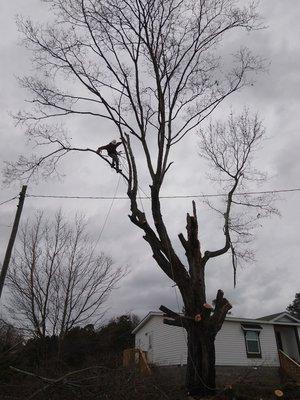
pixel 251 354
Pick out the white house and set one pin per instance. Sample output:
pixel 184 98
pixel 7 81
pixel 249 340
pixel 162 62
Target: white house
pixel 242 342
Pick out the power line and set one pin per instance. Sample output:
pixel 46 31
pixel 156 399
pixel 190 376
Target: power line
pixel 274 191
pixel 7 201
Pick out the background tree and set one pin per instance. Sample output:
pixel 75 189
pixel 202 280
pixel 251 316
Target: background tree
pixel 56 280
pixel 154 70
pixel 294 307
pixel 87 346
pixel 10 336
pixel 116 335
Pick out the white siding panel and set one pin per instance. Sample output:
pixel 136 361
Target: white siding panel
pixel 231 348
pixel 169 344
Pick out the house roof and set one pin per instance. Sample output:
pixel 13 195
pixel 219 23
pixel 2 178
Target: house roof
pixel 272 319
pixel 275 317
pixel 146 319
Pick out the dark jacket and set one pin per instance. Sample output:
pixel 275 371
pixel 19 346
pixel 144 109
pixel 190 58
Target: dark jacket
pixel 111 148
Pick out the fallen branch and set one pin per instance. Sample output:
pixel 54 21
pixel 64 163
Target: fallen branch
pixel 58 380
pixel 55 381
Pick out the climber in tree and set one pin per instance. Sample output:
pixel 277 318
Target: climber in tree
pixel 111 149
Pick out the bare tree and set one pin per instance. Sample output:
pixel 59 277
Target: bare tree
pixel 56 280
pixel 153 68
pixel 229 148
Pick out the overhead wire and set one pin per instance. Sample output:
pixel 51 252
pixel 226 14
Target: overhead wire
pixel 7 201
pixel 54 196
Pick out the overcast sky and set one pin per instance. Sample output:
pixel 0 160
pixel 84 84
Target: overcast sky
pixel 265 287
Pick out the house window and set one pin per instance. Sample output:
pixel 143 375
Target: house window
pixel 252 344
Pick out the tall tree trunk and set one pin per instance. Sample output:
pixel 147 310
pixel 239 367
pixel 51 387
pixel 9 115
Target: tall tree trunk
pixel 200 320
pixel 200 373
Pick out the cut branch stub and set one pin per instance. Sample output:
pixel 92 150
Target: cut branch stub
pixel 221 309
pixel 173 318
pixel 191 245
pixel 169 313
pixel 192 229
pixel 173 322
pixel 207 310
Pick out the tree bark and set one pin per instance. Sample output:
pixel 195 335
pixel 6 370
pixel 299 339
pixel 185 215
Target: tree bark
pixel 201 333
pixel 200 373
pixel 200 320
pixel 202 325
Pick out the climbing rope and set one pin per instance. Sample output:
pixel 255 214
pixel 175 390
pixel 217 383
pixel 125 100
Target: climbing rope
pixel 107 215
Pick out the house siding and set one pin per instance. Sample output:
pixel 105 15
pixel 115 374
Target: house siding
pixel 231 348
pixel 169 344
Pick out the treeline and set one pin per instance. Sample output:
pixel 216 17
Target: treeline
pixel 79 348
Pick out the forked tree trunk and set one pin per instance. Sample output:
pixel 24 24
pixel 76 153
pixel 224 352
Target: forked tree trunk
pixel 201 330
pixel 200 320
pixel 200 373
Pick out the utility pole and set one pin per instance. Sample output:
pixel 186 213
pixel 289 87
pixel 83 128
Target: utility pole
pixel 12 238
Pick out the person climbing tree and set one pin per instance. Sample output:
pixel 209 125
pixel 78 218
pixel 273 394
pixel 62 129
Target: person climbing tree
pixel 111 149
